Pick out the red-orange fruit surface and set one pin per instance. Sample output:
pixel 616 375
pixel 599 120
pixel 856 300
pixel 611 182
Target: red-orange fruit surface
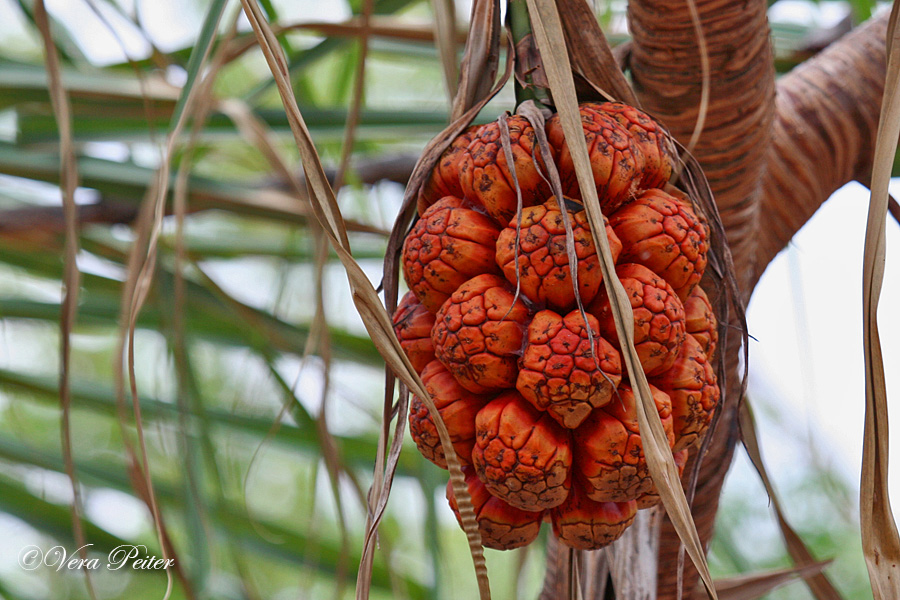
pixel 584 524
pixel 691 384
pixel 651 498
pixel 521 454
pixel 559 372
pixel 413 324
pixel 700 321
pixel 478 334
pixel 485 175
pixel 457 407
pixel 610 451
pixel 616 159
pixel 658 317
pixel 544 274
pixel 450 244
pixel 502 527
pixel 664 234
pixel 444 177
pixel 655 144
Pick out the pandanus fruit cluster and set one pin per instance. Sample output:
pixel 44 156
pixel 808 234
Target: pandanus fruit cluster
pixel 508 321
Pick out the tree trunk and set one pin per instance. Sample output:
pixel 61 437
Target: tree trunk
pixel 773 154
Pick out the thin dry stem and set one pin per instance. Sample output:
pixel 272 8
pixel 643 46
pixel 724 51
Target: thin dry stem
pixel 374 317
pixel 68 177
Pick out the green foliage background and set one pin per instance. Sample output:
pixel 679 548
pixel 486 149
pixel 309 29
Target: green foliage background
pixel 250 506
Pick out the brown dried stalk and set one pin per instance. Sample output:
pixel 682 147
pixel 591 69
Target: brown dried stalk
pixel 68 176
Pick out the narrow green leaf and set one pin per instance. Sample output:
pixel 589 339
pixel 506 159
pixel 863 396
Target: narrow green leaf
pixel 198 56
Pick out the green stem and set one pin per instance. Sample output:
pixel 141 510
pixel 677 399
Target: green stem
pixel 518 22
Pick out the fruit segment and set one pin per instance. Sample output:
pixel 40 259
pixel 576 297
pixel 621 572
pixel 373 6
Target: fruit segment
pixel 521 454
pixel 478 334
pixel 700 322
pixel 539 263
pixel 663 233
pixel 486 178
pixel 656 146
pixel 691 384
pixel 413 324
pixel 583 524
pixel 444 178
pixel 450 244
pixel 658 317
pixel 560 372
pixel 651 498
pixel 610 451
pixel 502 526
pixel 616 159
pixel 457 407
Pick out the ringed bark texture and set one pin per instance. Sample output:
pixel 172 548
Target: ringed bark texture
pixel 667 73
pixel 667 77
pixel 824 132
pixel 769 173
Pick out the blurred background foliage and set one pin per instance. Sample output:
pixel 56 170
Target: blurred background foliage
pixel 261 461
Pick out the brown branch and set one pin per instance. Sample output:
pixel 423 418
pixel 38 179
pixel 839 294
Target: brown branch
pixel 894 209
pixel 33 222
pixel 381 26
pixel 822 137
pixel 827 116
pixel 666 69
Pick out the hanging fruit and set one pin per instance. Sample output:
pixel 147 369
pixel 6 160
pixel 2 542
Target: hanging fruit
pixel 509 323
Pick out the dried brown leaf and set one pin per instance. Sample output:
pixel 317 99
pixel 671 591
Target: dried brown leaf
pixel 590 54
pixel 704 77
pixel 818 583
pixel 68 178
pixel 426 163
pixel 357 98
pixel 445 38
pixel 375 318
pixel 137 286
pixel 481 58
pixel 756 585
pixel 881 543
